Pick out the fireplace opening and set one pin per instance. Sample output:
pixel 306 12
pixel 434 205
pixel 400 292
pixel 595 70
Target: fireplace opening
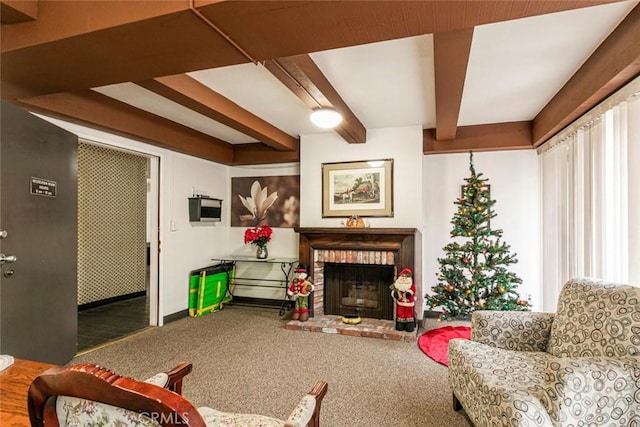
pixel 358 290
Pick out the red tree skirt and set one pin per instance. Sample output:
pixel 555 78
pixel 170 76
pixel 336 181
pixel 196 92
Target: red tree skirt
pixel 435 343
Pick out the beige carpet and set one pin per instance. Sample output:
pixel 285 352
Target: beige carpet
pixel 245 361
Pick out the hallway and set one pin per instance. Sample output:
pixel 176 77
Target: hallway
pixel 100 325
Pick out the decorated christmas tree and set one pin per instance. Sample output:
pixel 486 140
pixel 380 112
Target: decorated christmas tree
pixel 474 274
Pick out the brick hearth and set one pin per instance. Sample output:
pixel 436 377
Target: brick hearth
pixel 369 328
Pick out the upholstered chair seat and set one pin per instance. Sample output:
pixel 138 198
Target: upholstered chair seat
pixel 300 417
pixel 579 366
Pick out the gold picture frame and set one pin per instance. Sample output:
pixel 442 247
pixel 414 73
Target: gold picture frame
pixel 363 188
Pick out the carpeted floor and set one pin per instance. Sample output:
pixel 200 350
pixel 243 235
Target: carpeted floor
pixel 245 361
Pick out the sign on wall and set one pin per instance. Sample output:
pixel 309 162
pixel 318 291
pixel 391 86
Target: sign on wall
pixel 42 187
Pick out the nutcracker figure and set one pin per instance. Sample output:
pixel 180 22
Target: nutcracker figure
pixel 299 290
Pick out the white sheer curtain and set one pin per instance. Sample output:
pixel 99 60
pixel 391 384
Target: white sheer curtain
pixel 585 196
pixel 555 214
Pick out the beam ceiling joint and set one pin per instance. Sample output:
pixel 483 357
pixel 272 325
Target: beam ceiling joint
pixel 220 32
pixel 492 137
pixel 305 79
pixel 190 93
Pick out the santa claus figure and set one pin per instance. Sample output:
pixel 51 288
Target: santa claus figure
pixel 299 290
pixel 403 292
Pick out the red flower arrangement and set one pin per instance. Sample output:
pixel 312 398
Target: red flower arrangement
pixel 258 235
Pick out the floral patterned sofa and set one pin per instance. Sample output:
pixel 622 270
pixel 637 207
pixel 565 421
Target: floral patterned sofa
pixel 577 367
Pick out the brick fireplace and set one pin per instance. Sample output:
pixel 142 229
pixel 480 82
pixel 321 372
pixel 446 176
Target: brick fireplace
pixel 397 247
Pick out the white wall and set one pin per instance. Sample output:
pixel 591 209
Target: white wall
pixel 515 185
pixel 187 246
pixel 403 145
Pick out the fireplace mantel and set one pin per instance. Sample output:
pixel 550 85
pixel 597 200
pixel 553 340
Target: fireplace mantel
pixel 354 230
pixel 404 240
pixel 404 245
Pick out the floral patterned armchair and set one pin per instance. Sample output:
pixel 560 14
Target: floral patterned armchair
pixel 579 366
pixel 82 395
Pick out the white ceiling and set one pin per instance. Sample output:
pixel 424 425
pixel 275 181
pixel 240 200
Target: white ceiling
pixel 514 69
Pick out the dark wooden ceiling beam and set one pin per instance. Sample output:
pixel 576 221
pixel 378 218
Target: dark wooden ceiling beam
pixel 276 29
pixel 303 77
pixel 63 19
pixel 451 56
pixel 299 23
pixel 493 137
pixel 16 11
pixel 99 111
pixel 145 40
pixel 194 95
pixel 136 40
pixel 614 63
pixel 258 154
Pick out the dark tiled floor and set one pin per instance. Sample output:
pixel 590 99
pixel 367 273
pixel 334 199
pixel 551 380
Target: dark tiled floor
pixel 99 325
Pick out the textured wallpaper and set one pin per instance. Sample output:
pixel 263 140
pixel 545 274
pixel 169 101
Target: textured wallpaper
pixel 112 194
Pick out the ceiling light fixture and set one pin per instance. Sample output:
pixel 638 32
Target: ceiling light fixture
pixel 326 118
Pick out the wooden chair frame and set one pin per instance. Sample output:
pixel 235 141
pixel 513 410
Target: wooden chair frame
pixel 92 382
pixel 318 391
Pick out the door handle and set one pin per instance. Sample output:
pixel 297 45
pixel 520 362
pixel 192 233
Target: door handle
pixel 3 234
pixel 7 258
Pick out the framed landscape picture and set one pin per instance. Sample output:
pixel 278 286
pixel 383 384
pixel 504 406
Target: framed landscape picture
pixel 363 188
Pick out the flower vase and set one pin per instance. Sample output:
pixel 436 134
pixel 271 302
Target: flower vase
pixel 262 252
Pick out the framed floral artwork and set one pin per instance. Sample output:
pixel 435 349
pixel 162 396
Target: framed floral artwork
pixel 363 188
pixel 265 200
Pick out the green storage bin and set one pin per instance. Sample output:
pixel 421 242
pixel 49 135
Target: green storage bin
pixel 210 288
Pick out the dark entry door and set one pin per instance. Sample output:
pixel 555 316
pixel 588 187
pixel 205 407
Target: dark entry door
pixel 38 222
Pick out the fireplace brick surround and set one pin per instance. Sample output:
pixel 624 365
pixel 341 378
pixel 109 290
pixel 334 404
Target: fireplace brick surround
pixel 399 247
pixel 322 256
